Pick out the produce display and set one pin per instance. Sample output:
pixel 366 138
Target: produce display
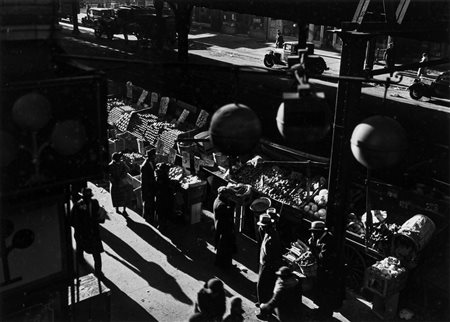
pixel 300 257
pixel 189 180
pixel 284 185
pixel 382 232
pixel 176 172
pixel 389 267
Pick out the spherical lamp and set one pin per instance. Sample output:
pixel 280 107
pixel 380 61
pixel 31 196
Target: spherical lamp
pixel 68 137
pixel 31 111
pixel 235 129
pixel 378 142
pixel 303 117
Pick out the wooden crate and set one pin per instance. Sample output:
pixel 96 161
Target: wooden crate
pixel 384 287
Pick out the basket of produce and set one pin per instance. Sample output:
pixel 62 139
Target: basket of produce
pixel 385 277
pixel 307 264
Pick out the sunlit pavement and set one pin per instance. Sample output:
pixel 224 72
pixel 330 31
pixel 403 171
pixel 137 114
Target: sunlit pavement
pixel 155 276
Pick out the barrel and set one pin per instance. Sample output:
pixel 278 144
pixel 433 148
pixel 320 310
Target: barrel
pixel 419 229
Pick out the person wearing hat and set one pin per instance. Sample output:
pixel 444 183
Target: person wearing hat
pixel 121 191
pixel 224 238
pixel 85 218
pixel 148 186
pixel 270 259
pixel 236 311
pixel 322 245
pixel 286 300
pixel 211 302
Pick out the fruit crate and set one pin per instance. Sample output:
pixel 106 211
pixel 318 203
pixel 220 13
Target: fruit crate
pixel 382 284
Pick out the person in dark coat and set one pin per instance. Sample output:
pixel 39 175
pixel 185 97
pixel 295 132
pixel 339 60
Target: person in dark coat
pixel 85 219
pixel 322 245
pixel 270 259
pixel 236 311
pixel 164 196
pixel 279 40
pixel 148 186
pixel 389 57
pixel 211 302
pixel 121 191
pixel 225 240
pixel 286 300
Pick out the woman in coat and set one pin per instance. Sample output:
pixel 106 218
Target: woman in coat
pixel 224 238
pixel 121 191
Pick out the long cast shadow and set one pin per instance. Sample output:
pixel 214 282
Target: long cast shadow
pixel 191 242
pixel 154 274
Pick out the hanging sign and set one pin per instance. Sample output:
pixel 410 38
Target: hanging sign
pixel 129 90
pixel 202 118
pixel 163 105
pixel 142 97
pixel 183 116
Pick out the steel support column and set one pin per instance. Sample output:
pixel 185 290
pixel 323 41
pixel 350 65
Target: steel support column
pixel 342 161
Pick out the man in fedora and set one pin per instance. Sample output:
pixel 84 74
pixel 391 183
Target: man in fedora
pixel 270 259
pixel 85 219
pixel 286 300
pixel 322 246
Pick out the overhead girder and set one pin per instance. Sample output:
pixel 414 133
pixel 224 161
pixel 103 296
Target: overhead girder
pixel 423 19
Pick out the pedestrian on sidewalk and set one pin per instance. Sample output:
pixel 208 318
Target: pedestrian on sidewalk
pixel 286 300
pixel 148 186
pixel 120 188
pixel 225 240
pixel 389 57
pixel 422 71
pixel 279 40
pixel 236 311
pixel 270 260
pixel 211 302
pixel 85 217
pixel 164 196
pixel 322 244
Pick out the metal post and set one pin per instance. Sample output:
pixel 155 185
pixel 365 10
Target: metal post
pixel 342 161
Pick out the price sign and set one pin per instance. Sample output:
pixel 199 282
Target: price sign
pixel 142 97
pixel 160 146
pixel 163 105
pixel 202 118
pixel 186 159
pixel 129 90
pixel 183 116
pixel 154 99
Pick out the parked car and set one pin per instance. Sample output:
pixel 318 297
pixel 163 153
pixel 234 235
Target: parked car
pixel 279 56
pixel 440 87
pixel 94 14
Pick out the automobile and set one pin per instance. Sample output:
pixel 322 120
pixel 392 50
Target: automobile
pixel 94 14
pixel 440 87
pixel 279 56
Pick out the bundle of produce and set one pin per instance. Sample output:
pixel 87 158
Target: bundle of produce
pixel 388 268
pixel 176 173
pixel 355 225
pixel 169 136
pixel 189 180
pixel 307 263
pixel 113 103
pixel 382 236
pixel 239 193
pixel 132 158
pixel 122 123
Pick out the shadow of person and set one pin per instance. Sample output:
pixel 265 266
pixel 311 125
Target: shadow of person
pixel 154 274
pixel 189 253
pixel 175 256
pixel 124 308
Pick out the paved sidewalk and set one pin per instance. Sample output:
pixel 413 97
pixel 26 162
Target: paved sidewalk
pixel 155 276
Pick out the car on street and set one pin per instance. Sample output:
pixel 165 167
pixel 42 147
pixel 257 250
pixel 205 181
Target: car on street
pixel 279 56
pixel 93 15
pixel 440 87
